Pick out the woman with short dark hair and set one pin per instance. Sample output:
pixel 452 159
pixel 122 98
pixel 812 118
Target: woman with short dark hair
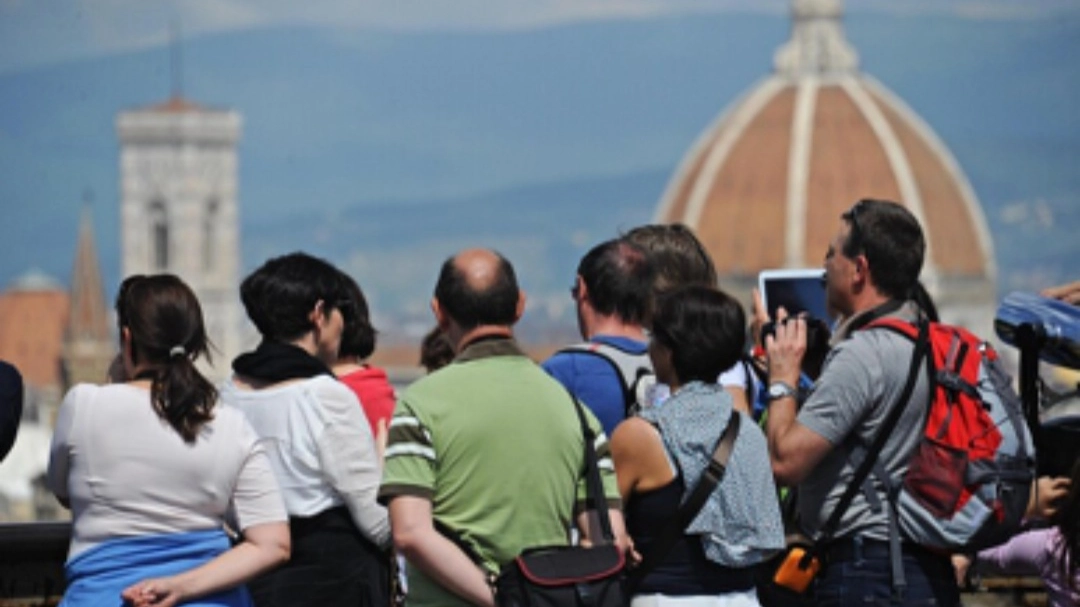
pixel 659 456
pixel 320 444
pixel 151 466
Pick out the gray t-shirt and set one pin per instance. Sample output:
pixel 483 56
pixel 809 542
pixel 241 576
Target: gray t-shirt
pixel 861 381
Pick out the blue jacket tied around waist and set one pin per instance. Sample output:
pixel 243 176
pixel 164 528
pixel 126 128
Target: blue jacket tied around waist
pixel 98 576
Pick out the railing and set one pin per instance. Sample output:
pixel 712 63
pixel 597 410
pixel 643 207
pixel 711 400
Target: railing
pixel 32 559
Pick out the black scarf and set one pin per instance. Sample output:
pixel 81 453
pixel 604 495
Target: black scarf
pixel 275 362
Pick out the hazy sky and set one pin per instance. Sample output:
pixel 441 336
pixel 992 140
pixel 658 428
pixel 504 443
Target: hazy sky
pixel 36 32
pixel 529 98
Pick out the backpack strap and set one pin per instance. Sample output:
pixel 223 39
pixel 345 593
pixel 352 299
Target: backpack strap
pixel 710 478
pixel 922 344
pixel 627 368
pixel 870 463
pixel 892 494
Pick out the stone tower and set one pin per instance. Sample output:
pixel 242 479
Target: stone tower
pixel 179 209
pixel 88 345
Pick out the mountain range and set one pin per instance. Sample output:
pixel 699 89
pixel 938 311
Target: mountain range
pixel 387 151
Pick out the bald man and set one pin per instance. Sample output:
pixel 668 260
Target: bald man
pixel 485 455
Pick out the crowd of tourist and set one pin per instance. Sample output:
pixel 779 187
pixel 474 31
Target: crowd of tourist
pixel 305 480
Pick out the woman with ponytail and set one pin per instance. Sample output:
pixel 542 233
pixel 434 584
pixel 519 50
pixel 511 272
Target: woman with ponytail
pixel 151 467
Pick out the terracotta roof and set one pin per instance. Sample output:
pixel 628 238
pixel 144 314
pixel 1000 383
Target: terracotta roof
pixel 765 185
pixel 176 105
pixel 32 333
pixel 746 190
pixel 952 231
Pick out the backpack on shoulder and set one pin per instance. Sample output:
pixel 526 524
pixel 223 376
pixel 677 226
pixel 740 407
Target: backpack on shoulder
pixel 969 479
pixel 635 372
pixel 968 482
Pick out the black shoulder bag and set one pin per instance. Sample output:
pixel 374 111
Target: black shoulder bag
pixel 570 576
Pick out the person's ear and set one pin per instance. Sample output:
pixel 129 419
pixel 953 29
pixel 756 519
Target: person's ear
pixel 520 309
pixel 862 270
pixel 582 290
pixel 441 318
pixel 318 313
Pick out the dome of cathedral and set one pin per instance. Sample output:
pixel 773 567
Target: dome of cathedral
pixel 765 184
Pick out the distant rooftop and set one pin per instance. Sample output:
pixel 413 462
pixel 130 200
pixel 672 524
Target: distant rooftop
pixel 177 105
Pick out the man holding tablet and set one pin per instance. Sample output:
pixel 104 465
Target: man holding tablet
pixel 871 268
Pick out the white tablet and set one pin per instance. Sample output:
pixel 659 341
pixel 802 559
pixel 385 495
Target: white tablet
pixel 797 291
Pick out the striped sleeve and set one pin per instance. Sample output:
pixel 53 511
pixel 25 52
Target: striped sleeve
pixel 410 460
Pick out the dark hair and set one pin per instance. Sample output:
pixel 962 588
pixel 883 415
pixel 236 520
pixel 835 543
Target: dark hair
pixel 280 294
pixel 677 256
pixel 892 241
pixel 922 298
pixel 704 328
pixel 471 307
pixel 436 351
pixel 619 278
pixel 358 336
pixel 165 321
pixel 1067 519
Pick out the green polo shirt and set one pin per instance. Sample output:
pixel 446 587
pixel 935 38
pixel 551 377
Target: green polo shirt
pixel 494 442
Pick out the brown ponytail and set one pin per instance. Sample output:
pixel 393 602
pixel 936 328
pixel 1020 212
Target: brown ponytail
pixel 165 321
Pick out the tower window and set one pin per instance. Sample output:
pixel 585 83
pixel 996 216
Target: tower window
pixel 159 234
pixel 210 221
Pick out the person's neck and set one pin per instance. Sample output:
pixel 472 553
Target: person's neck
pixel 141 376
pixel 346 365
pixel 615 327
pixel 307 344
pixel 866 301
pixel 481 332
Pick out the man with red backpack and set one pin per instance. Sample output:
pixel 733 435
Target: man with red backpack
pixel 872 439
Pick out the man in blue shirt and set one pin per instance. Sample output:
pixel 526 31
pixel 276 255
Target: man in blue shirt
pixel 612 292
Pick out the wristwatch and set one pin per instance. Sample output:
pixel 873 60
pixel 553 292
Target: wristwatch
pixel 779 389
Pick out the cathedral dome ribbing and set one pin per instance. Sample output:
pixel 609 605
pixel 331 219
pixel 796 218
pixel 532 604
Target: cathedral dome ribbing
pixel 765 184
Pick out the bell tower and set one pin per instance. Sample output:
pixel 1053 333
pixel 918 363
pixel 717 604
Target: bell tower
pixel 179 210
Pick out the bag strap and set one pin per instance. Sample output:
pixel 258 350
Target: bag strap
pixel 624 365
pixel 922 346
pixel 675 527
pixel 595 501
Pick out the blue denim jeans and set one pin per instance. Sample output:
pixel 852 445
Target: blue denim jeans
pixel 861 574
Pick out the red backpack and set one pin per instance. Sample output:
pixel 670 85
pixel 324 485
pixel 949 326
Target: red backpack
pixel 968 482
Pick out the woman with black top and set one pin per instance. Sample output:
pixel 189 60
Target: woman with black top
pixel 659 457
